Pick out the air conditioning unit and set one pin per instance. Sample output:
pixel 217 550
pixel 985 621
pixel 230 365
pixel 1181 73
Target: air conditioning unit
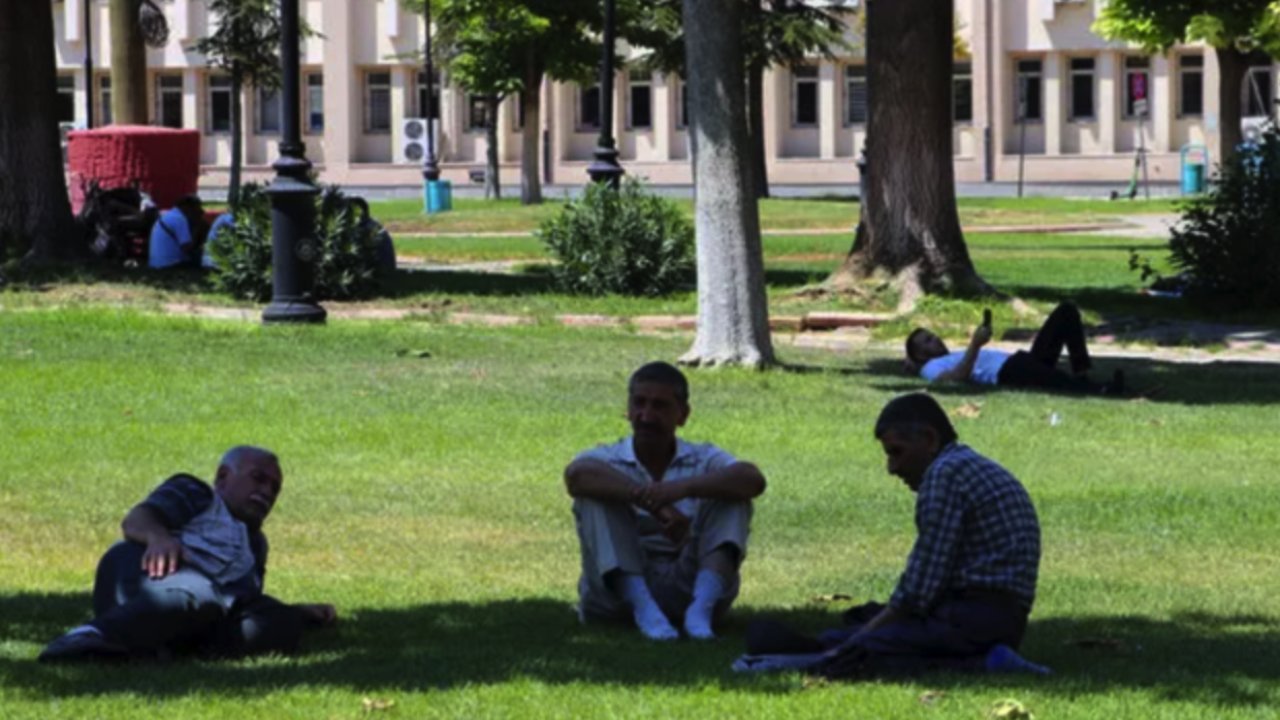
pixel 413 140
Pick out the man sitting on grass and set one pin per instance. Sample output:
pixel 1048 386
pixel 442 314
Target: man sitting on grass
pixel 662 523
pixel 1037 368
pixel 189 575
pixel 970 581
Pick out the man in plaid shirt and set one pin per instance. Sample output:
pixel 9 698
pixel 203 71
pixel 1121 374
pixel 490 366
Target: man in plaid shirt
pixel 970 581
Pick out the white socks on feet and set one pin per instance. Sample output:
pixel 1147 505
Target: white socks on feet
pixel 650 619
pixel 708 588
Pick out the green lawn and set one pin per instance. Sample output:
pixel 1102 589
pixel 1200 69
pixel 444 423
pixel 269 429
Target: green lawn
pixel 423 497
pixel 509 216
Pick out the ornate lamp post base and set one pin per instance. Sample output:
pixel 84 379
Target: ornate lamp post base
pixel 605 167
pixel 294 247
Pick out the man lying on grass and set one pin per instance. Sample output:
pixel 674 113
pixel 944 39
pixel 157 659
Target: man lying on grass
pixel 189 575
pixel 963 600
pixel 1038 368
pixel 662 523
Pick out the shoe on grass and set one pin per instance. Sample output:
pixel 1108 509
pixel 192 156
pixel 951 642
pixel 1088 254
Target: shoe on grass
pixel 1004 659
pixel 82 646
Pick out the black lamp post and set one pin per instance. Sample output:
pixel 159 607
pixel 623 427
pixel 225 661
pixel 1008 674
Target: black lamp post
pixel 605 167
pixel 430 168
pixel 293 223
pixel 88 64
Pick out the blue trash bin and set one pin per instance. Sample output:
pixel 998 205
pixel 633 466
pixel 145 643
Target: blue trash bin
pixel 1195 168
pixel 439 196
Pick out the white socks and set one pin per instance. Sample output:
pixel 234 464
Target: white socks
pixel 708 588
pixel 652 622
pixel 81 629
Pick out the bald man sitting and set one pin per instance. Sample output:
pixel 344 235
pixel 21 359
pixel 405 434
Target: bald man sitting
pixel 188 577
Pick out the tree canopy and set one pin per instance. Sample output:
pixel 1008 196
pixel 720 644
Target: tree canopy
pixel 1157 25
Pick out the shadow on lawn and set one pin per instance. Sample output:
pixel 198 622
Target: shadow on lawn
pixel 1223 660
pixel 1215 383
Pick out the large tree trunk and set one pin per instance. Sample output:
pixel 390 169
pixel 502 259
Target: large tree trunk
pixel 237 141
pixel 755 99
pixel 530 168
pixel 733 314
pixel 492 183
pixel 912 227
pixel 35 214
pixel 1232 67
pixel 128 65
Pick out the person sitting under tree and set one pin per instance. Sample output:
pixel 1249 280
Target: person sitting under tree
pixel 188 576
pixel 662 523
pixel 1036 368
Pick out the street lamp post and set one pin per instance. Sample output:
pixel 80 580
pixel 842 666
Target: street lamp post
pixel 430 168
pixel 605 167
pixel 294 246
pixel 88 65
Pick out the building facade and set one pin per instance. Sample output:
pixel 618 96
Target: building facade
pixel 1034 92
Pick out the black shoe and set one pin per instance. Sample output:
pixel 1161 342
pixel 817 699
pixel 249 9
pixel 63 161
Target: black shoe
pixel 82 647
pixel 1115 388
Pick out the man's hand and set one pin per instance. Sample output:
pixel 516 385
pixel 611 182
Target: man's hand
pixel 675 524
pixel 319 614
pixel 162 556
pixel 981 336
pixel 653 496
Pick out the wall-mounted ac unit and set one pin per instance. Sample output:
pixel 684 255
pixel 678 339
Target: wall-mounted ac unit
pixel 413 140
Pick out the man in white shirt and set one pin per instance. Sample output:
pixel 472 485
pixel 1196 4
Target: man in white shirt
pixel 1037 368
pixel 662 523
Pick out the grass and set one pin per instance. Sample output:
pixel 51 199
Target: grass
pixel 423 497
pixel 509 216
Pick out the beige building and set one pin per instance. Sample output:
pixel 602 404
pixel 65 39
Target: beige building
pixel 1089 104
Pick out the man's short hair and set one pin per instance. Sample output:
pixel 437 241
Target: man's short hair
pixel 911 345
pixel 238 454
pixel 910 413
pixel 663 374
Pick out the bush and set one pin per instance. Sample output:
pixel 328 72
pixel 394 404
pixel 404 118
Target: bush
pixel 625 241
pixel 1228 243
pixel 346 249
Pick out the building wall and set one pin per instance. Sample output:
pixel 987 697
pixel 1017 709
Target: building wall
pixel 363 39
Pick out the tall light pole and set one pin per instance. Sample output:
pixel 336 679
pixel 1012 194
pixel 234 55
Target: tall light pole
pixel 605 167
pixel 430 168
pixel 88 64
pixel 294 247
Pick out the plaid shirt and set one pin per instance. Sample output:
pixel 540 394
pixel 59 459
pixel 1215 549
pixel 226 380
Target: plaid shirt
pixel 976 529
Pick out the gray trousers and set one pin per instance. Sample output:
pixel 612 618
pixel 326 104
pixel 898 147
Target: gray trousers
pixel 609 537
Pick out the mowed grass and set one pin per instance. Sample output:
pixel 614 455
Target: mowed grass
pixel 471 215
pixel 423 497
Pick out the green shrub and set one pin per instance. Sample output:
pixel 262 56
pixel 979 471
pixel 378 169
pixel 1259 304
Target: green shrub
pixel 345 265
pixel 1228 243
pixel 623 241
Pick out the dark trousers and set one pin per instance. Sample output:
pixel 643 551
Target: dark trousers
pixel 956 635
pixel 185 612
pixel 1038 368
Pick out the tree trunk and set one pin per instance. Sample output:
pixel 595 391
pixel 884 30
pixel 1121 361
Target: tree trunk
pixel 492 184
pixel 755 95
pixel 35 214
pixel 733 313
pixel 1233 65
pixel 530 167
pixel 128 65
pixel 237 141
pixel 912 227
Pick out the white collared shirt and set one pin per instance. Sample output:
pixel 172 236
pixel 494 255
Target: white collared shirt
pixel 691 460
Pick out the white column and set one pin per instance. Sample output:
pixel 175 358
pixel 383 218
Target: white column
pixel 1162 102
pixel 1053 110
pixel 342 87
pixel 391 18
pixel 73 19
pixel 191 100
pixel 828 110
pixel 664 103
pixel 1108 101
pixel 182 20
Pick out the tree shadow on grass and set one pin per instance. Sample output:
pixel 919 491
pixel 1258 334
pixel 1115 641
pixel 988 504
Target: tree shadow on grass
pixel 1224 660
pixel 1123 308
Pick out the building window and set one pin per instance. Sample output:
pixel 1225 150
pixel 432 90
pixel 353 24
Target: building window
pixel 640 101
pixel 168 111
pixel 422 109
pixel 66 98
pixel 682 109
pixel 219 120
pixel 104 99
pixel 804 96
pixel 1028 101
pixel 517 112
pixel 1081 89
pixel 377 102
pixel 477 112
pixel 855 94
pixel 314 122
pixel 962 93
pixel 1258 91
pixel 269 111
pixel 1190 85
pixel 1137 86
pixel 589 108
